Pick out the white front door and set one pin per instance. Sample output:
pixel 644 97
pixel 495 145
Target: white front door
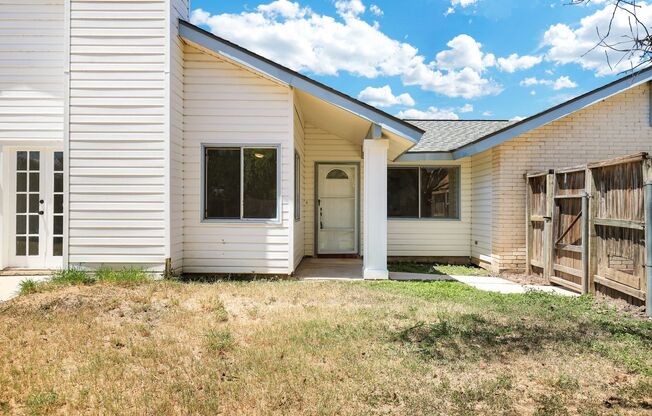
pixel 337 209
pixel 35 223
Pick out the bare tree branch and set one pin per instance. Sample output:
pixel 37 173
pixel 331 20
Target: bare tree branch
pixel 635 46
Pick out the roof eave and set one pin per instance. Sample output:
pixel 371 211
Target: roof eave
pixel 294 79
pixel 552 114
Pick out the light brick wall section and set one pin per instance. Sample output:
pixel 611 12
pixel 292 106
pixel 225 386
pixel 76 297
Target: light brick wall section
pixel 614 127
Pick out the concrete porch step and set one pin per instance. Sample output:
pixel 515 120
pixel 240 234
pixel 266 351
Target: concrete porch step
pixel 10 271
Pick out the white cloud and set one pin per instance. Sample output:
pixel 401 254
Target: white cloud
pixel 383 97
pixel 374 9
pixel 466 108
pixel 558 84
pixel 448 11
pixel 349 8
pixel 563 82
pixel 464 52
pixel 517 118
pixel 515 63
pixel 533 92
pixel 432 113
pixel 487 114
pixel 575 45
pixel 304 40
pixel 283 8
pixel 463 3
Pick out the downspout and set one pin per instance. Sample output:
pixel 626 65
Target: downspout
pixel 648 246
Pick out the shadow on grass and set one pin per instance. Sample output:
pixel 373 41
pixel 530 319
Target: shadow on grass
pixel 471 336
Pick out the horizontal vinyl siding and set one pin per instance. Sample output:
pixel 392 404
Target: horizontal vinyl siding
pixel 481 178
pixel 31 70
pixel 299 226
pixel 322 146
pixel 179 10
pixel 118 113
pixel 224 103
pixel 433 237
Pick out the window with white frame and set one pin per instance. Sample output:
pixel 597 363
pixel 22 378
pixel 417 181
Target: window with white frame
pixel 297 187
pixel 241 183
pixel 423 192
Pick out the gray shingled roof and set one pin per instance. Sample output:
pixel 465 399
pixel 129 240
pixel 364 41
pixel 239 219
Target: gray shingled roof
pixel 448 135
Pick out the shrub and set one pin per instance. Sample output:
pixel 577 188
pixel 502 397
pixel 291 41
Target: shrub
pixel 127 275
pixel 28 286
pixel 72 277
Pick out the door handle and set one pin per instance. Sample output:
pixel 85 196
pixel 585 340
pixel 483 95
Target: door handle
pixel 41 212
pixel 321 216
pixel 41 202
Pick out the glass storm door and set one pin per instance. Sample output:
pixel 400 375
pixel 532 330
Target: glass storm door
pixel 37 231
pixel 337 209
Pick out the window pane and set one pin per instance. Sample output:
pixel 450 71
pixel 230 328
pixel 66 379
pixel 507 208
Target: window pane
pixel 260 183
pixel 58 161
pixel 439 191
pixel 21 182
pixel 58 225
pixel 21 246
pixel 21 160
pixel 297 187
pixel 33 224
pixel 58 182
pixel 21 224
pixel 58 204
pixel 33 203
pixel 34 160
pixel 34 182
pixel 403 192
pixel 33 246
pixel 222 183
pixel 57 246
pixel 21 204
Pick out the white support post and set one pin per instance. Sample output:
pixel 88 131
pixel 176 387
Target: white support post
pixel 375 209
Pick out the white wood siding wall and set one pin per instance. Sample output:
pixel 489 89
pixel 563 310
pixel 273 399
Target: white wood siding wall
pixel 434 238
pixel 224 103
pixel 481 178
pixel 322 146
pixel 31 71
pixel 118 132
pixel 299 226
pixel 180 9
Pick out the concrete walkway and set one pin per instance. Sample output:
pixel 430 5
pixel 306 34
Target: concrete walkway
pixel 500 285
pixel 10 285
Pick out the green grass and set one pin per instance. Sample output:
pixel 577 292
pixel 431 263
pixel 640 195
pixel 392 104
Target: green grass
pixel 439 269
pixel 293 348
pixel 496 323
pixel 79 277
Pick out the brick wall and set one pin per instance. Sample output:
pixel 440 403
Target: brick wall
pixel 614 127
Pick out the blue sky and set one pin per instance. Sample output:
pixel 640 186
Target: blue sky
pixel 469 59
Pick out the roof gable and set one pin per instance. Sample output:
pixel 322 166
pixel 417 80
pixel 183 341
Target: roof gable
pixel 297 80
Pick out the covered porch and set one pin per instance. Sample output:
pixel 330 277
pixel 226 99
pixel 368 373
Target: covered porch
pixel 341 160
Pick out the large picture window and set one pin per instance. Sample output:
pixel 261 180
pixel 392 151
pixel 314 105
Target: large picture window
pixel 241 183
pixel 423 192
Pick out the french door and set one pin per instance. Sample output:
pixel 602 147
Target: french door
pixel 36 209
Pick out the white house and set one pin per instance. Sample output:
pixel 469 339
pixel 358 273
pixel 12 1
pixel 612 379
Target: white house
pixel 128 136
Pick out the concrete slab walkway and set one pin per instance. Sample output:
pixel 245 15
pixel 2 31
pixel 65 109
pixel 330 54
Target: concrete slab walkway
pixel 500 285
pixel 10 285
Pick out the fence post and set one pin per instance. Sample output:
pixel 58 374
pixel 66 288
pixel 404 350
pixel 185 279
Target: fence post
pixel 593 236
pixel 585 242
pixel 528 228
pixel 548 243
pixel 648 246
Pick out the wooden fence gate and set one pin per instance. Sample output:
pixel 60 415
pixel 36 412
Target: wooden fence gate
pixel 586 226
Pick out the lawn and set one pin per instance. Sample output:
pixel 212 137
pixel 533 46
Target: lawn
pixel 295 348
pixel 439 269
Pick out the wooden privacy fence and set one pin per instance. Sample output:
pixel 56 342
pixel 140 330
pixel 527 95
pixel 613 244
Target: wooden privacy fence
pixel 586 226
